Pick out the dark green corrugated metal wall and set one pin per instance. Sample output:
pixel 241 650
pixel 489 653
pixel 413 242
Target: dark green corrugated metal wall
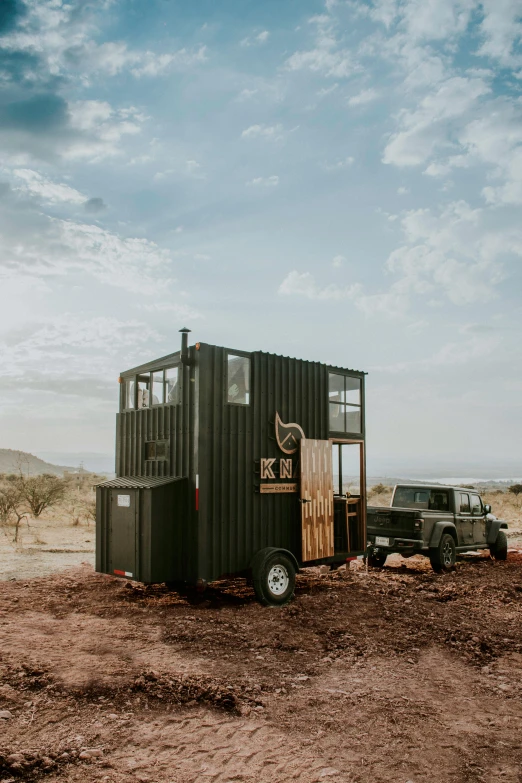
pixel 234 519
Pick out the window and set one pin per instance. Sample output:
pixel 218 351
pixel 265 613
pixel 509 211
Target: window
pixel 439 501
pixel 346 468
pixel 412 497
pixel 344 401
pixel 129 394
pixel 156 450
pixel 476 504
pixel 464 503
pixel 172 380
pixel 238 379
pixel 158 388
pixel 143 391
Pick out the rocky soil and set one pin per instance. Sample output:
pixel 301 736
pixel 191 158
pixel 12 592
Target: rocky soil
pixel 395 675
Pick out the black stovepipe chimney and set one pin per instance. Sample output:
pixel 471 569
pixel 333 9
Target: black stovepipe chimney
pixel 184 346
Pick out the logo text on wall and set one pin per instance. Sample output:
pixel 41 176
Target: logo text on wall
pixel 272 469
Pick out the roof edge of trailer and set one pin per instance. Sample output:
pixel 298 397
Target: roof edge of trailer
pixel 139 482
pixel 174 357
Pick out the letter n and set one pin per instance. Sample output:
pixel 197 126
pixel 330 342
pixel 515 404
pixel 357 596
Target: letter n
pixel 285 468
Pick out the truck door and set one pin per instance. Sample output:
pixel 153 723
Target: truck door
pixel 479 520
pixel 463 519
pixel 317 508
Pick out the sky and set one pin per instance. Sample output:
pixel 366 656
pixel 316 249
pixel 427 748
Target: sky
pixel 339 181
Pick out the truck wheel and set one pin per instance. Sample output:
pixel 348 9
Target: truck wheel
pixel 443 557
pixel 274 578
pixel 498 550
pixel 377 560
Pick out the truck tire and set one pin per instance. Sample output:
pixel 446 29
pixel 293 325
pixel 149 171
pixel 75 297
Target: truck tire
pixel 498 550
pixel 274 578
pixel 443 556
pixel 377 560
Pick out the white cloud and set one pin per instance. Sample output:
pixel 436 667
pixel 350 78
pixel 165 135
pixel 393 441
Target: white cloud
pixel 344 163
pixel 327 57
pixel 34 184
pixel 364 97
pixel 452 255
pixel 64 39
pixel 338 261
pixel 501 29
pixel 246 94
pixel 152 64
pixel 270 132
pixel 37 246
pixel 428 127
pixel 260 38
pixel 402 191
pixel 324 91
pixel 303 284
pixel 265 182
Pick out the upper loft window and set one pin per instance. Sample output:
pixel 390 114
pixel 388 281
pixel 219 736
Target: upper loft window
pixel 143 391
pixel 238 379
pixel 150 389
pixel 344 402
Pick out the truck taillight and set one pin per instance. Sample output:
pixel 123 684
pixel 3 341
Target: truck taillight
pixel 418 524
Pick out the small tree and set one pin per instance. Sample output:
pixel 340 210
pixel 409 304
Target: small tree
pixel 12 506
pixel 41 492
pixel 516 489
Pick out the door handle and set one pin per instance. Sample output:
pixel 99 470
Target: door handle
pixel 303 500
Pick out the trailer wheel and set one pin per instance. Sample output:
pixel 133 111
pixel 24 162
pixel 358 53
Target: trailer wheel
pixel 274 578
pixel 377 560
pixel 498 550
pixel 443 556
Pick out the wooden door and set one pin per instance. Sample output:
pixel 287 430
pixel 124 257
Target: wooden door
pixel 317 508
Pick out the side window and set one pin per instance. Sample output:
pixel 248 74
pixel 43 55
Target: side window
pixel 158 388
pixel 172 383
pixel 344 403
pixel 476 504
pixel 130 385
pixel 439 501
pixel 143 391
pixel 464 503
pixel 238 379
pixel 156 450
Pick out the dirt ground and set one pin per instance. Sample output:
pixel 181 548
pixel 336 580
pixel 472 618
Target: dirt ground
pixel 396 675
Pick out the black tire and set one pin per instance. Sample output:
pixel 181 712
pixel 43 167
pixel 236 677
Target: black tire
pixel 273 575
pixel 498 550
pixel 443 556
pixel 377 559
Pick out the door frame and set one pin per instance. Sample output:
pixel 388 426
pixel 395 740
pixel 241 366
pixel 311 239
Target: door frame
pixel 362 464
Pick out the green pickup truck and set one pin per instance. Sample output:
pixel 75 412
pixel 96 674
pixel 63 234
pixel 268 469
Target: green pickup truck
pixel 436 521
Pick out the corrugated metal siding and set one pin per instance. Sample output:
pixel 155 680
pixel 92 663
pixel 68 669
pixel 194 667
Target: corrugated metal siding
pixel 161 422
pixel 234 520
pixel 136 482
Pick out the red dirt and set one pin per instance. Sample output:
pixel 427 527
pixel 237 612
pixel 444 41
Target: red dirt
pixel 390 675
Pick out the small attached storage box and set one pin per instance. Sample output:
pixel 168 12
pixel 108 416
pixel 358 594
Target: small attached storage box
pixel 140 531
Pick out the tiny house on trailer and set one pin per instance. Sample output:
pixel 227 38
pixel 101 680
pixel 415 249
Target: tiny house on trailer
pixel 230 462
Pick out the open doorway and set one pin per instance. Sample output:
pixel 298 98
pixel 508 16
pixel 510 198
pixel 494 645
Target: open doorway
pixel 349 496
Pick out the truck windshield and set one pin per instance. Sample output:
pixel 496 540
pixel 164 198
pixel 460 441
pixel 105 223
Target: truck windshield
pixel 415 497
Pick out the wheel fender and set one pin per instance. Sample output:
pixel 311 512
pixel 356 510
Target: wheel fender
pixel 494 527
pixel 261 554
pixel 438 530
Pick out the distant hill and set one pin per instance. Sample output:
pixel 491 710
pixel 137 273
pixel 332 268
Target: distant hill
pixel 11 461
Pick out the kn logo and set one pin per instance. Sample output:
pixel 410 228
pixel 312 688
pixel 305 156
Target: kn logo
pixel 271 468
pixel 288 435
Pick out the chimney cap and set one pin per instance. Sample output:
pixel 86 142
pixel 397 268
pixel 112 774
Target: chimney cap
pixel 185 330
